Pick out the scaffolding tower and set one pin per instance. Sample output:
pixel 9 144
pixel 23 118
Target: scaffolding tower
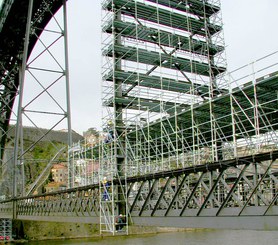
pixel 160 58
pixel 168 101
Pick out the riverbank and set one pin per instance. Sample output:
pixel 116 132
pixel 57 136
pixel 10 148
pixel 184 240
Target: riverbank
pixel 200 236
pixel 40 230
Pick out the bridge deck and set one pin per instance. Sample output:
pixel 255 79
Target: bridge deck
pixel 229 197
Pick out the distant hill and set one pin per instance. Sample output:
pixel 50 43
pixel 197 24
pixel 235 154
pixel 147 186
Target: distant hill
pixel 33 134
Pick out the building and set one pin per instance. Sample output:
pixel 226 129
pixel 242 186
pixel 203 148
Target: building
pixel 59 173
pixel 60 178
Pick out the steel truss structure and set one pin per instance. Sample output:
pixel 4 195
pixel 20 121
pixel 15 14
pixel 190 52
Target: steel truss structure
pixel 38 63
pixel 224 194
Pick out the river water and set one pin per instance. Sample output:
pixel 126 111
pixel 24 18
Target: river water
pixel 207 237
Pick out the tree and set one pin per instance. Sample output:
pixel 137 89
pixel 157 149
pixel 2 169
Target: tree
pixel 91 131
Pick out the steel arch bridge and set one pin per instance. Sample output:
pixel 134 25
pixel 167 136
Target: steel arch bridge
pixel 184 146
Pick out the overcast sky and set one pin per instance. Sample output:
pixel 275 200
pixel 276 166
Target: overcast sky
pixel 249 28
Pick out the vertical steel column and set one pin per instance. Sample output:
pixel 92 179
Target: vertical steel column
pixel 233 120
pixel 118 125
pixel 21 87
pixel 256 111
pixel 19 111
pixel 70 161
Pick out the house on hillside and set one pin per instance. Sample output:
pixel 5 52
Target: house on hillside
pixel 60 173
pixel 60 178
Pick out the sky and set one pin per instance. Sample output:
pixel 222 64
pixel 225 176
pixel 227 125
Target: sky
pixel 249 30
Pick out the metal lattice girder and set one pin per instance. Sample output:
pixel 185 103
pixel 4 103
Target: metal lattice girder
pixel 230 188
pixel 13 18
pixel 213 192
pixel 12 37
pixel 210 191
pixel 165 17
pixel 231 192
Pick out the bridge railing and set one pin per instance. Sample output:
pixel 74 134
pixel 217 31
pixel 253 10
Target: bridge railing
pixel 253 72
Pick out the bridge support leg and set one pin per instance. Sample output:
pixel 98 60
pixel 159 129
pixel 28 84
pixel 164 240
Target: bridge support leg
pixel 18 154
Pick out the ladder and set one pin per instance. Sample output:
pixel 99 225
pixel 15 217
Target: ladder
pixel 111 195
pixel 110 219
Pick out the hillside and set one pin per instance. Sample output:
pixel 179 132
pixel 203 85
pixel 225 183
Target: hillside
pixel 35 159
pixel 33 134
